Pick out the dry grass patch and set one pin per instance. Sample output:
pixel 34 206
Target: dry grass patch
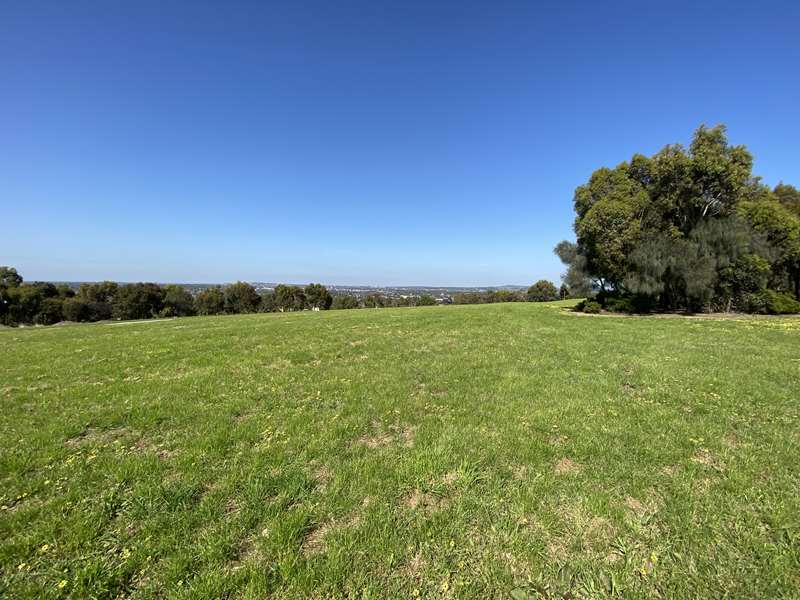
pixel 425 502
pixel 566 466
pixel 92 436
pixel 705 457
pixel 378 437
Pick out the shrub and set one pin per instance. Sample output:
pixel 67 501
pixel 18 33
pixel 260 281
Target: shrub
pixel 75 309
pixel 778 303
pixel 590 307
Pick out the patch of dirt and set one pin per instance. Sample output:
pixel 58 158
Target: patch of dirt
pixel 242 417
pixel 231 507
pixel 401 435
pixel 669 470
pixel 520 472
pixel 92 436
pixel 314 540
pixel 705 457
pixel 424 502
pixel 558 440
pixel 566 466
pixel 592 533
pixel 322 475
pixel 159 450
pixel 557 549
pixel 515 565
pixel 635 505
pixel 450 478
pixel 414 567
pixel 731 441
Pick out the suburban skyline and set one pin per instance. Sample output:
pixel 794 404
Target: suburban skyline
pixel 358 144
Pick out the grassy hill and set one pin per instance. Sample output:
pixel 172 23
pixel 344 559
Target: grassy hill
pixel 508 451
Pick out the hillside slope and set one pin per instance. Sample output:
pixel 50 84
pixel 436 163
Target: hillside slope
pixel 464 451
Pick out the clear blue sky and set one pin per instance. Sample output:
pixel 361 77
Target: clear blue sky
pixel 358 142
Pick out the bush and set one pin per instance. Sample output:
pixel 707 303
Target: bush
pixel 542 291
pixel 777 303
pixel 75 309
pixel 344 302
pixel 50 311
pixel 588 306
pixel 620 305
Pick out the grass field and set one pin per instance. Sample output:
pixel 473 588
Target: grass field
pixel 496 451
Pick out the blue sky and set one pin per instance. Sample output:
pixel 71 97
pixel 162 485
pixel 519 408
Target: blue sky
pixel 358 142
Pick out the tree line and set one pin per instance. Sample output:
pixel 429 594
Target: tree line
pixel 43 303
pixel 686 229
pixel 541 291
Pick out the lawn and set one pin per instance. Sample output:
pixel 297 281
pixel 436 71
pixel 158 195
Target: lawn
pixel 496 451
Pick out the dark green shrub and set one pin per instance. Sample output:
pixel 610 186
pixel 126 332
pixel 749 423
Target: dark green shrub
pixel 591 307
pixel 781 303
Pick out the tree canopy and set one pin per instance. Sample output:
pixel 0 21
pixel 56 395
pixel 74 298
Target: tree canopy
pixel 687 228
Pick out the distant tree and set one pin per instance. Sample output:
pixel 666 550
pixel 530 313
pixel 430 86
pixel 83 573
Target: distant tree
pixel 138 301
pixel 375 301
pixel 318 297
pixel 210 301
pixel 542 291
pixel 177 302
pixel 426 300
pixel 563 292
pixel 267 303
pixel 344 301
pixel 469 298
pixel 50 311
pixel 493 296
pixel 64 291
pixel 75 309
pixel 789 196
pixel 103 291
pixel 9 277
pixel 22 304
pixel 241 297
pixel 289 298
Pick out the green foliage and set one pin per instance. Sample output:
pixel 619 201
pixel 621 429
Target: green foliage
pixel 774 303
pixel 426 300
pixel 542 291
pixel 267 303
pixel 344 301
pixel 177 302
pixel 50 311
pixel 318 297
pixel 104 291
pixel 240 298
pixel 677 226
pixel 591 307
pixel 210 301
pixel 289 298
pixel 375 301
pixel 138 301
pixel 788 196
pixel 576 278
pixel 9 277
pixel 75 310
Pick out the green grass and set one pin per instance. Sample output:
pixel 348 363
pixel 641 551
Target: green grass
pixel 505 451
